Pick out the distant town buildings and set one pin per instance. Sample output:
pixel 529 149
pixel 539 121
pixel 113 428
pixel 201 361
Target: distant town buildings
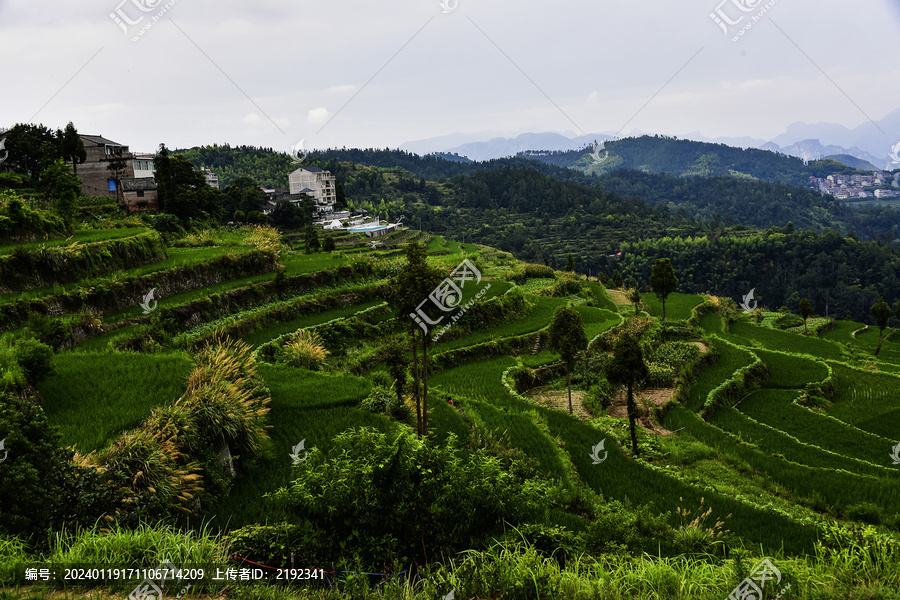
pixel 882 185
pixel 317 183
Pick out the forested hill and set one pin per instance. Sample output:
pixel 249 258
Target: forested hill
pixel 738 200
pixel 271 168
pixel 757 203
pixel 660 154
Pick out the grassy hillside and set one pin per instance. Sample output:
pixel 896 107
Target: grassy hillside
pixel 789 460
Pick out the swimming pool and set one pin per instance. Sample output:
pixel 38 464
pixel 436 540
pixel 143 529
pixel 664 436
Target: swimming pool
pixel 364 229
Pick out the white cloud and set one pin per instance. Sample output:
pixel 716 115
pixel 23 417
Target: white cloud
pixel 251 119
pixel 317 116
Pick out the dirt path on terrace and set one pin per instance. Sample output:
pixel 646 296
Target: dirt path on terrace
pixel 658 396
pixel 560 400
pixel 703 347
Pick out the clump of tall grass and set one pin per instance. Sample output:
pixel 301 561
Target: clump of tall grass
pixel 172 458
pixel 141 546
pixel 305 350
pixel 263 237
pixel 226 396
pixel 696 531
pixel 158 467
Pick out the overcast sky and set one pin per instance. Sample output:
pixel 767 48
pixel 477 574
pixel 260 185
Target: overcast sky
pixel 368 73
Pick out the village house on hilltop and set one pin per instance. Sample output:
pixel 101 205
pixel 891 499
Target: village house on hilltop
pixel 317 183
pixel 138 190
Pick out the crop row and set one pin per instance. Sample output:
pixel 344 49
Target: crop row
pixel 741 332
pixel 622 478
pixel 730 359
pixel 837 488
pixel 742 382
pixel 45 266
pixel 790 371
pixel 870 401
pixel 678 306
pixel 778 409
pixel 778 443
pixel 617 477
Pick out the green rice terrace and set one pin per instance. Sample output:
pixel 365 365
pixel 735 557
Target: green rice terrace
pixel 231 398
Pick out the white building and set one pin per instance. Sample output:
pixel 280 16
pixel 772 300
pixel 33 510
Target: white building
pixel 143 165
pixel 211 178
pixel 317 183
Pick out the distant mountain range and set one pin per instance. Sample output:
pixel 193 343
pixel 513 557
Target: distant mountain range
pixel 868 142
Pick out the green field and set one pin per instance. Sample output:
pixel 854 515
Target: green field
pixel 743 333
pixel 270 333
pixel 730 359
pixel 678 306
pixel 84 236
pixel 94 396
pixel 829 485
pixel 870 401
pixel 772 469
pixel 603 300
pixel 537 318
pixel 177 257
pixel 790 372
pixel 777 409
pixel 779 443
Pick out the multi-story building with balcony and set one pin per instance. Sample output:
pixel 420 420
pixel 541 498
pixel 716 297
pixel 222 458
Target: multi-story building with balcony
pixel 317 183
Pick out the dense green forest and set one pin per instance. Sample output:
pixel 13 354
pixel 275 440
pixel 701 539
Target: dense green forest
pixel 757 203
pixel 840 274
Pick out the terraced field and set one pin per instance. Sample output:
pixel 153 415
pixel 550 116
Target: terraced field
pixel 869 401
pixel 768 466
pixel 87 236
pixel 678 306
pixel 777 409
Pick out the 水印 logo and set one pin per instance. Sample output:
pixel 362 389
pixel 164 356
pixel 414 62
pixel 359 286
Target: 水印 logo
pixel 298 152
pixel 895 154
pixel 595 155
pixel 895 455
pixel 149 303
pixel 747 300
pixel 296 450
pixel 449 6
pixel 595 454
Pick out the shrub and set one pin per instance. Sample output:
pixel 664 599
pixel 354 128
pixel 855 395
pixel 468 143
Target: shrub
pixel 48 330
pixel 786 321
pixel 378 400
pixel 383 400
pixel 33 474
pixel 382 379
pixel 618 528
pixel 599 397
pixel 305 350
pixel 865 512
pixel 328 245
pixel 396 501
pixel 35 358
